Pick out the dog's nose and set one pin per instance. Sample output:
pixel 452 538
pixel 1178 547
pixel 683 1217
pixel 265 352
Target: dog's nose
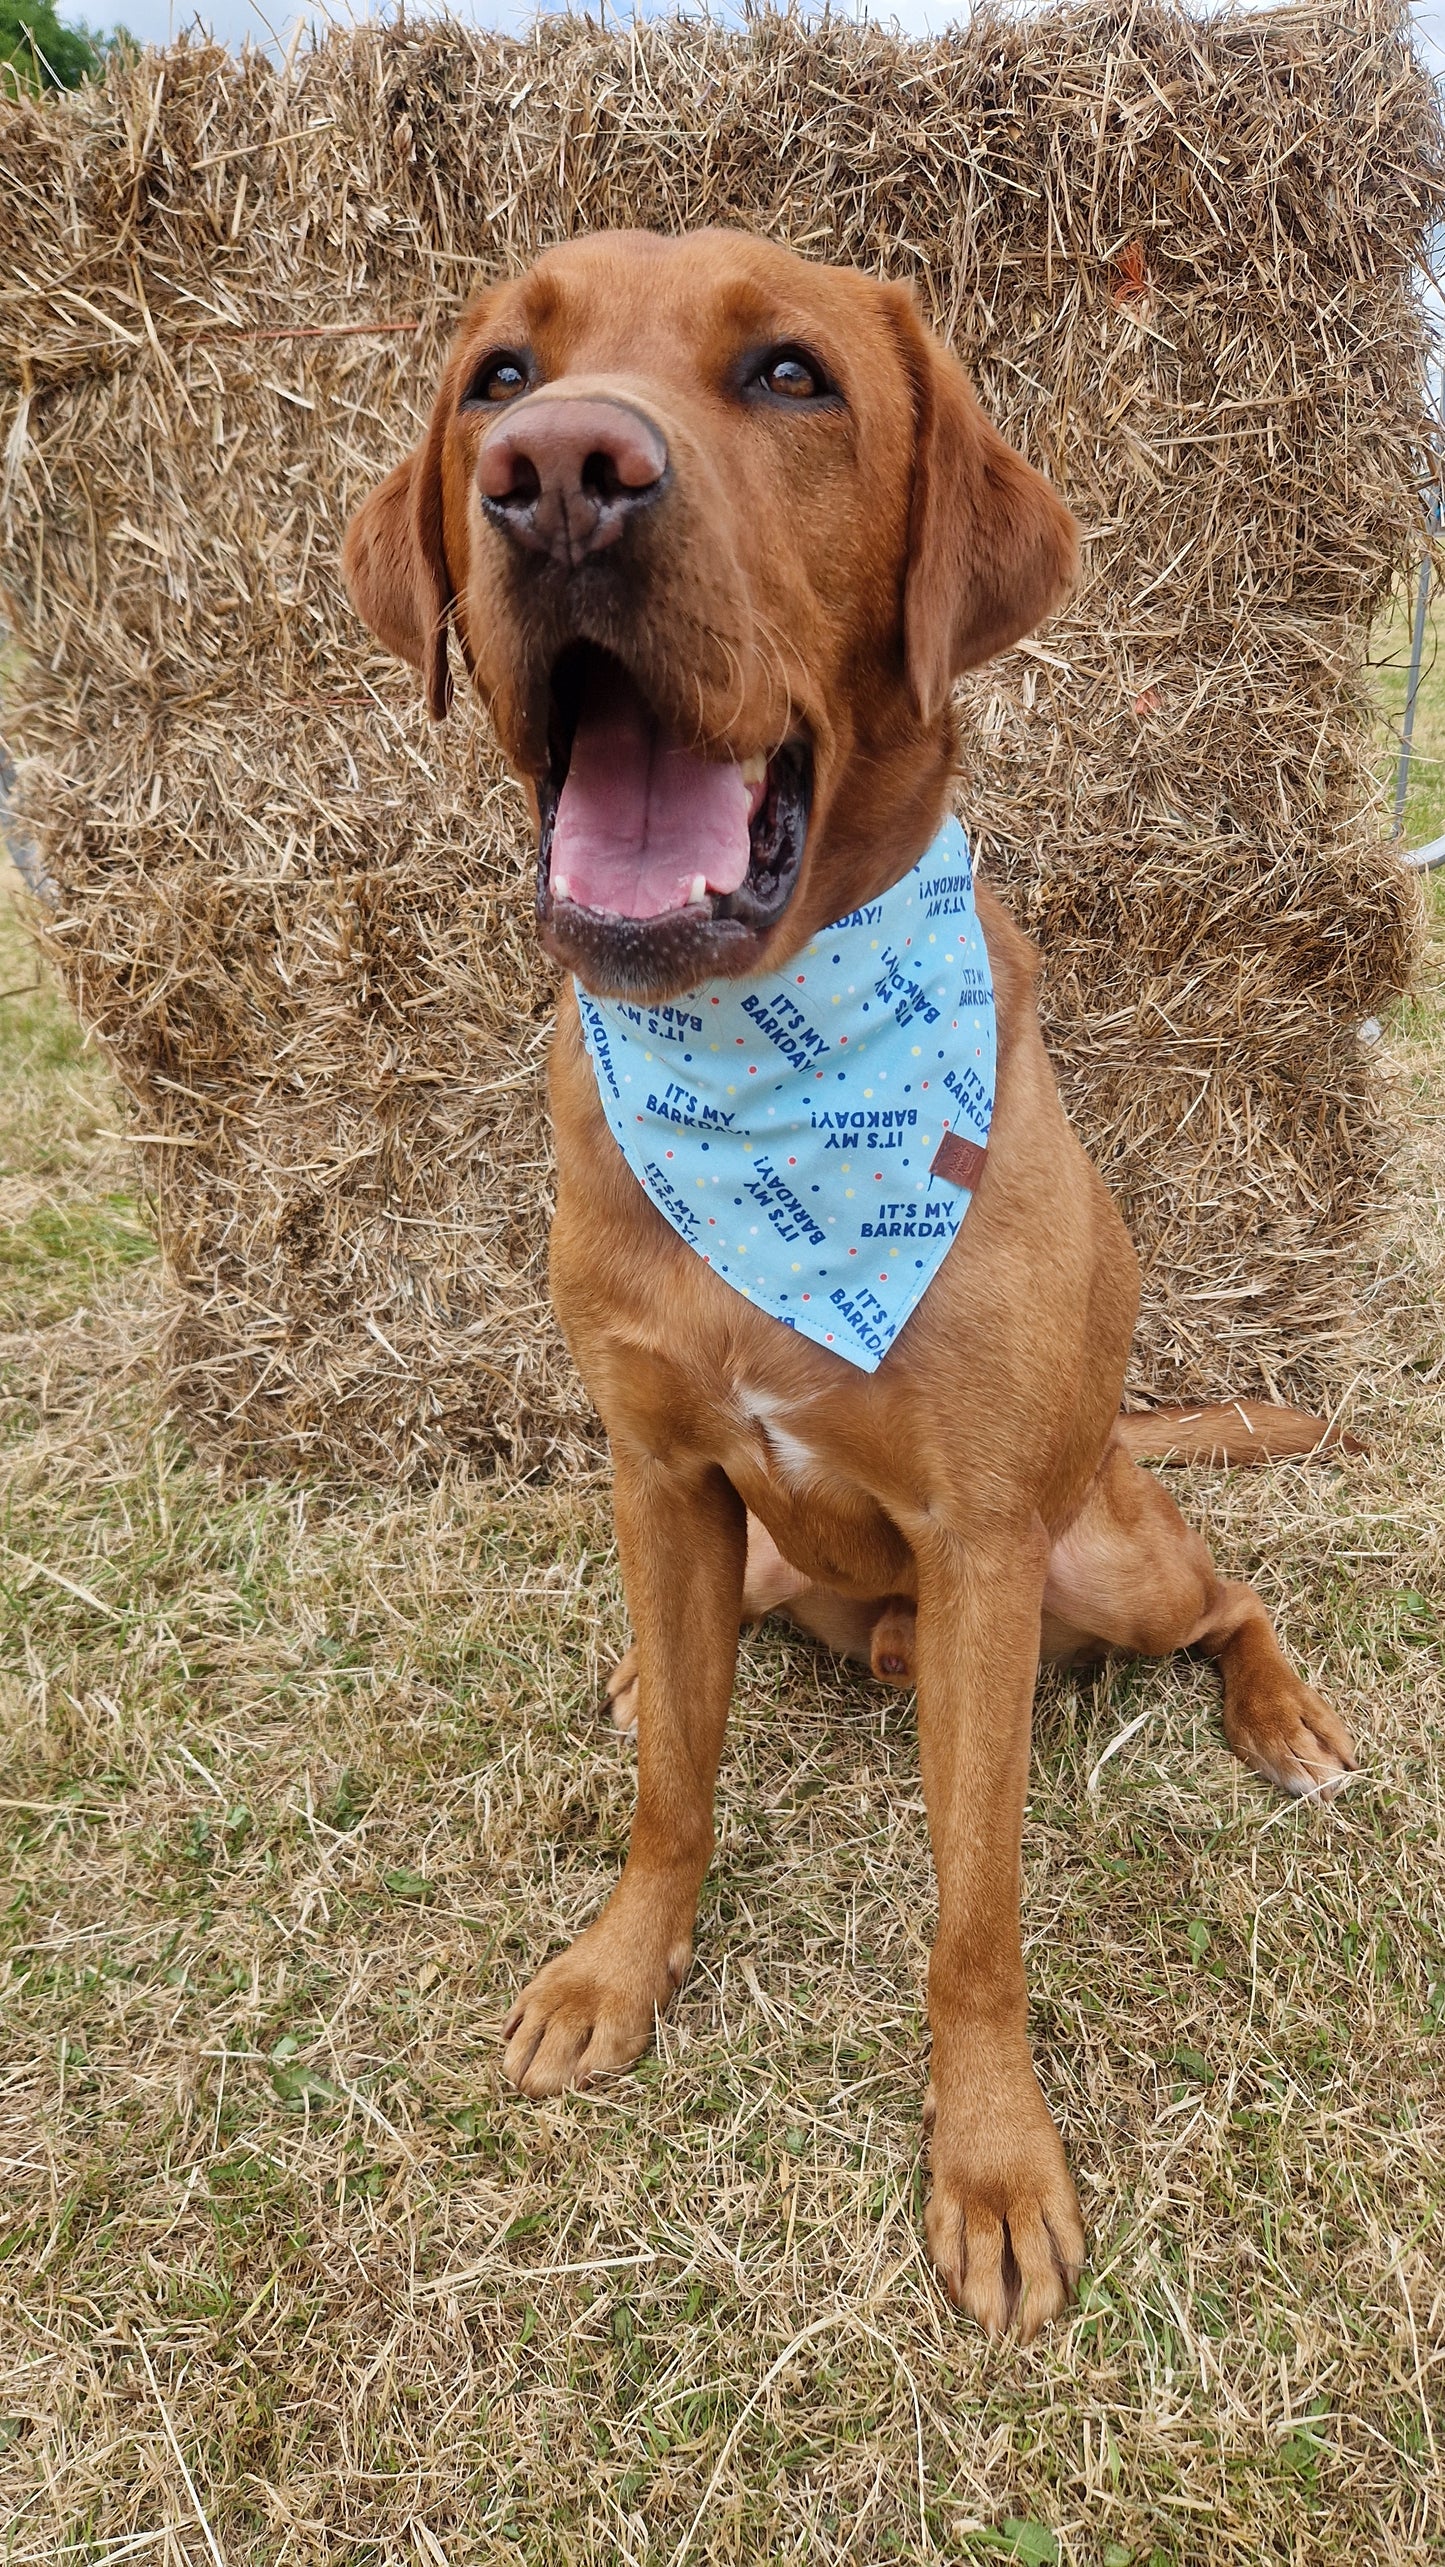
pixel 562 475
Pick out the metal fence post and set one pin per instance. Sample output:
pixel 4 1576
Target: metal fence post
pixel 1423 858
pixel 1412 686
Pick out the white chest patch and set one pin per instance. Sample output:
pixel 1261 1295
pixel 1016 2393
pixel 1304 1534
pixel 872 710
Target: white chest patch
pixel 787 1455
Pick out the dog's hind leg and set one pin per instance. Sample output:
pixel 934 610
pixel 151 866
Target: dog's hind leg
pixel 1130 1574
pixel 879 1636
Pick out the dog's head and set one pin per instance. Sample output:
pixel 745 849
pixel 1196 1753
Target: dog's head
pixel 715 529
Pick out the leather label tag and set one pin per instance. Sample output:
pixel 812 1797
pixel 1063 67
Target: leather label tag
pixel 958 1162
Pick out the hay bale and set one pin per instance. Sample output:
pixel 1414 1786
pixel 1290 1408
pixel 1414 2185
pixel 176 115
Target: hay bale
pixel 1177 257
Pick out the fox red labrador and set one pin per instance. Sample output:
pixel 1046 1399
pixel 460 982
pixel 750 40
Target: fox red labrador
pixel 714 530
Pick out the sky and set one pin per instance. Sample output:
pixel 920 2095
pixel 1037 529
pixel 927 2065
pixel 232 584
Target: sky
pixel 270 22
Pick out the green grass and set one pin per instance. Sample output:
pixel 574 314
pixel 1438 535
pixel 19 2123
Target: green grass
pixel 1424 813
pixel 53 1259
pixel 296 1786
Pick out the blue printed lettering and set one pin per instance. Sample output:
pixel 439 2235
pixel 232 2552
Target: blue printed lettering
pixel 789 1217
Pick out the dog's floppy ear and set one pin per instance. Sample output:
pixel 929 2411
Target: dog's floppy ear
pixel 991 548
pixel 395 564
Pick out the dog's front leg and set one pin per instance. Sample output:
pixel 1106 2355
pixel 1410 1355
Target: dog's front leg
pixel 1003 2217
pixel 682 1532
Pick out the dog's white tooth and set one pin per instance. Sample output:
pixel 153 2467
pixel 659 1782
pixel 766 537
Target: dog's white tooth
pixel 753 770
pixel 561 886
pixel 697 889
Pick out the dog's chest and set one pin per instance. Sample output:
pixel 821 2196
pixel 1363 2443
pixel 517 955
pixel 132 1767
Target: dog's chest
pixel 793 1471
pixel 770 1434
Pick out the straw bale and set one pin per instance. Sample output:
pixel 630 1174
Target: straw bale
pixel 1177 257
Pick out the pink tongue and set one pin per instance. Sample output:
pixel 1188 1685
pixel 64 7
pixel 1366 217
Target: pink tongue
pixel 638 819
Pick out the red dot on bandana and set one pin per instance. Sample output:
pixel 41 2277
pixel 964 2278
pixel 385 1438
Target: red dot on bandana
pixel 752 1069
pixel 877 1173
pixel 852 1252
pixel 669 1154
pixel 801 977
pixel 792 1163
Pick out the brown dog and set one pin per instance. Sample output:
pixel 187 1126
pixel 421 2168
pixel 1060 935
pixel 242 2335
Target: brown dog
pixel 695 501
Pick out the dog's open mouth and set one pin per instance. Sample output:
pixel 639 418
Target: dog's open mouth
pixel 657 867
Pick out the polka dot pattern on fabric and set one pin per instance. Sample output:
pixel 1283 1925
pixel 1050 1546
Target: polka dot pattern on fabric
pixel 787 1127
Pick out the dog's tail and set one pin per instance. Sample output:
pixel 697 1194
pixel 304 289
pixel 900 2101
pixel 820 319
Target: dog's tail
pixel 1238 1431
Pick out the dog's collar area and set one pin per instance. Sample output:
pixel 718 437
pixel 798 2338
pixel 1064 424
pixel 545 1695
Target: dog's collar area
pixel 656 867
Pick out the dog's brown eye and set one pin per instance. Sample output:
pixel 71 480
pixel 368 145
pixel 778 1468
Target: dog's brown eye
pixel 497 379
pixel 792 377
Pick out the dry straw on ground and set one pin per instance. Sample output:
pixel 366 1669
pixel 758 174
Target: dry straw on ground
pixel 1177 256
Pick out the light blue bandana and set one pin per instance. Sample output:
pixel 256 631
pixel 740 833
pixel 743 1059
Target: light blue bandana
pixel 816 1135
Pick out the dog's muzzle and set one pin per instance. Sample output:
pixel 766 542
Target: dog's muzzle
pixel 564 474
pixel 658 867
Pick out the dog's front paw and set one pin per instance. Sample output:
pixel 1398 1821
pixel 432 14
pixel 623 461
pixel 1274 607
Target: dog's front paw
pixel 1003 2218
pixel 592 2009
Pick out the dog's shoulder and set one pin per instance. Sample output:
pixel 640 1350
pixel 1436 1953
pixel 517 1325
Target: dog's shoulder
pixel 1013 960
